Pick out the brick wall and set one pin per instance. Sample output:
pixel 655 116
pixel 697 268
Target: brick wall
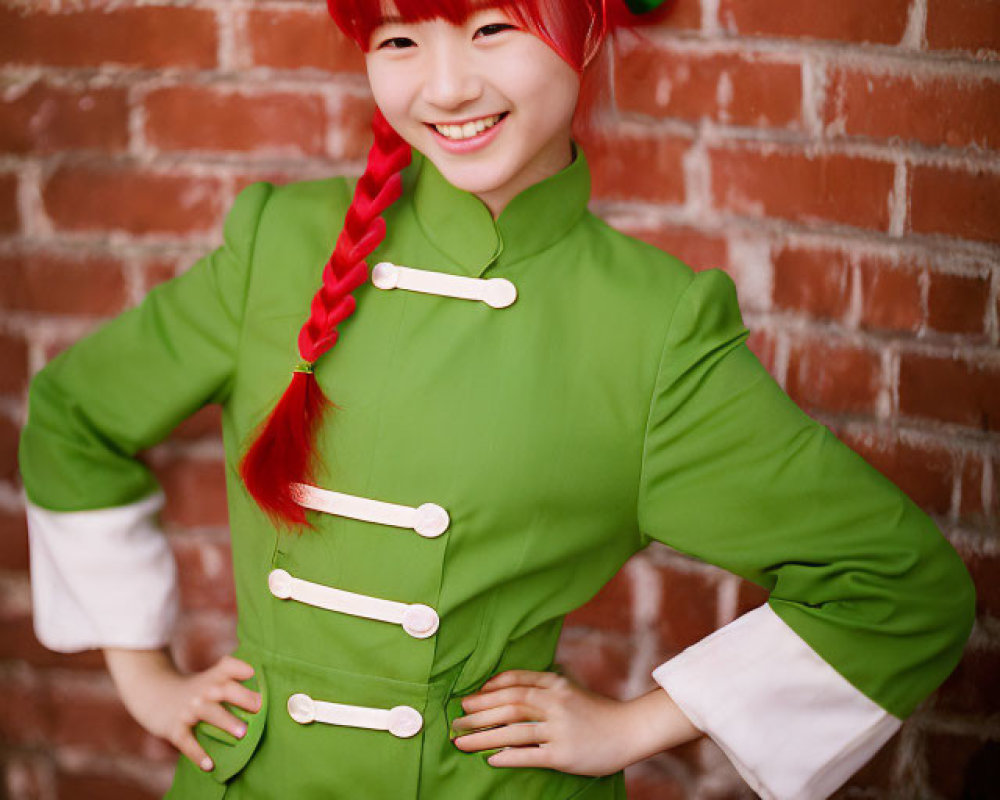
pixel 839 160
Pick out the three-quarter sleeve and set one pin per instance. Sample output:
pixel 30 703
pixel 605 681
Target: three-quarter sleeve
pixel 102 572
pixel 869 606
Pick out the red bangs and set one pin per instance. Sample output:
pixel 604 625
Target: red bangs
pixel 573 28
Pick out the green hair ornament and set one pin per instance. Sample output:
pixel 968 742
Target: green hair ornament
pixel 642 6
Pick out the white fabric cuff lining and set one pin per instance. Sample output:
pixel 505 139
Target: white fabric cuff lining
pixel 102 577
pixel 793 727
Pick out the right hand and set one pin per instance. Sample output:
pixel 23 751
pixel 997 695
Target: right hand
pixel 171 704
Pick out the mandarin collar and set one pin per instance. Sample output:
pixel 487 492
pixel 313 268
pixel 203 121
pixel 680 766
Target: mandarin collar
pixel 461 225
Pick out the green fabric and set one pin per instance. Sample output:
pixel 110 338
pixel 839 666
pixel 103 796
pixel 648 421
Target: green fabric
pixel 736 474
pixel 614 403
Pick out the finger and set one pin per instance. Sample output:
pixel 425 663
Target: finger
pixel 240 695
pixel 516 712
pixel 519 677
pixel 517 733
pixel 188 745
pixel 521 757
pixel 236 668
pixel 514 695
pixel 225 720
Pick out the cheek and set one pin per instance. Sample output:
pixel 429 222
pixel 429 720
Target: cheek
pixel 390 91
pixel 544 82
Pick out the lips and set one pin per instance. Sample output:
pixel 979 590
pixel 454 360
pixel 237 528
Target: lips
pixel 472 143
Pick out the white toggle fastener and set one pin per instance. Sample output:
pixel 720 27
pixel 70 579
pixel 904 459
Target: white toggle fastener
pixel 495 292
pixel 429 519
pixel 417 619
pixel 401 721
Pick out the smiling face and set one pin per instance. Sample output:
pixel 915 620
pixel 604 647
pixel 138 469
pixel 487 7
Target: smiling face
pixel 422 73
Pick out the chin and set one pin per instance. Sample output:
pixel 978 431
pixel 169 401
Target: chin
pixel 480 178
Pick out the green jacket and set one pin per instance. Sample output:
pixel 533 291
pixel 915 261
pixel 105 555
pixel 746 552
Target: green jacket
pixel 615 402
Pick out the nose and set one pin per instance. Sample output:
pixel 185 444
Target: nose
pixel 451 79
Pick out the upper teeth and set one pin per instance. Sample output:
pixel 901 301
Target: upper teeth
pixel 469 129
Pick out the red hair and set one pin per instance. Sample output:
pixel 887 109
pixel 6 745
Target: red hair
pixel 283 449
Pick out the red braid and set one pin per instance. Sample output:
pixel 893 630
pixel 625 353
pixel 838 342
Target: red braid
pixel 284 449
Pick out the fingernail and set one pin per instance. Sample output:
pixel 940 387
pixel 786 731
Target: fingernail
pixel 206 764
pixel 240 730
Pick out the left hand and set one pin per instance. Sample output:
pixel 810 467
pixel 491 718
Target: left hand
pixel 546 720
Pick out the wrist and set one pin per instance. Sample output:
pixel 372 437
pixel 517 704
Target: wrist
pixel 130 668
pixel 656 723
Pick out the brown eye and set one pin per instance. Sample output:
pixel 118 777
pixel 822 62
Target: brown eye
pixel 501 25
pixel 394 39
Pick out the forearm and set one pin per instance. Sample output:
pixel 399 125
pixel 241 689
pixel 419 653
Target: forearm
pixel 656 723
pixel 131 668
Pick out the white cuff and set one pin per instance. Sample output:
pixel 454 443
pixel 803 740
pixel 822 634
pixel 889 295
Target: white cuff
pixel 793 727
pixel 104 577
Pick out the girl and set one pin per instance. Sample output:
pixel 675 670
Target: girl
pixel 524 398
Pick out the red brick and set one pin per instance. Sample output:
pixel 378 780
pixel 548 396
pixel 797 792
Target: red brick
pixel 848 20
pixel 206 423
pixel 94 720
pixel 10 217
pixel 687 613
pixel 351 119
pixel 985 571
pixel 203 119
pixel 49 119
pixel 635 168
pixel 732 88
pixel 51 283
pixel 935 110
pixel 924 473
pixel 156 271
pixel 200 640
pixel 955 202
pixel 833 376
pixel 597 662
pixel 295 38
pixel 26 775
pixel 643 782
pixel 890 295
pixel 99 787
pixel 951 390
pixel 681 15
pixel 817 282
pixel 150 36
pixel 749 597
pixel 957 303
pixel 697 249
pixel 978 503
pixel 972 688
pixel 20 643
pixel 196 492
pixel 10 433
pixel 13 540
pixel 952 760
pixel 787 183
pixel 85 198
pixel 610 609
pixel 24 717
pixel 878 773
pixel 963 25
pixel 762 344
pixel 13 361
pixel 205 571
